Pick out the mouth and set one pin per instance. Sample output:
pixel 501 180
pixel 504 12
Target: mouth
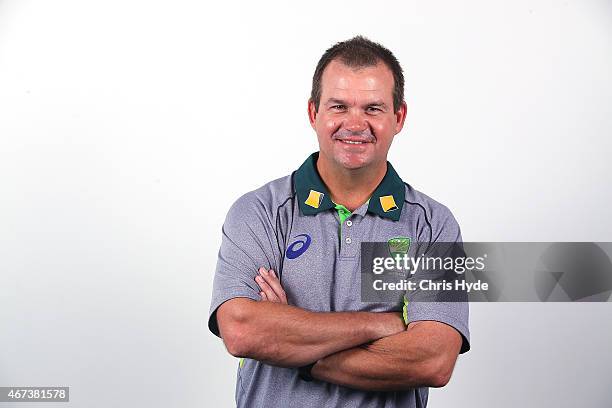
pixel 353 142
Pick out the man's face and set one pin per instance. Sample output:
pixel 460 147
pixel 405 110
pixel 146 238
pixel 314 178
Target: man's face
pixel 355 123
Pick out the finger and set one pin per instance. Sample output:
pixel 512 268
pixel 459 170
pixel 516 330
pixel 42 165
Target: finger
pixel 278 293
pixel 267 289
pixel 263 295
pixel 272 280
pixel 283 295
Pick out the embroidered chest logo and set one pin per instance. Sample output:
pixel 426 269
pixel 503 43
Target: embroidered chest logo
pixel 399 245
pixel 299 246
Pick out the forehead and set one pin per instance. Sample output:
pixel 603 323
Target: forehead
pixel 339 79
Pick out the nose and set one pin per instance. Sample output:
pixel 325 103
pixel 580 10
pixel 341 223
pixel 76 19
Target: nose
pixel 355 121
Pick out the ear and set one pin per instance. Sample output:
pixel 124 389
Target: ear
pixel 400 117
pixel 312 113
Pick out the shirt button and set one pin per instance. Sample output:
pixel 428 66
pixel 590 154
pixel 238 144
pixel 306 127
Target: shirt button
pixel 348 240
pixel 349 223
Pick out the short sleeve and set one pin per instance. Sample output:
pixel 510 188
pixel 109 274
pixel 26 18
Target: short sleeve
pixel 454 313
pixel 248 242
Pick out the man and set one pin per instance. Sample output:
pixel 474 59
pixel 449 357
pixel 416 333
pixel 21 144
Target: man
pixel 286 296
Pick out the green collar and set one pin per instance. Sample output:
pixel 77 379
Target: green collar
pixel 386 201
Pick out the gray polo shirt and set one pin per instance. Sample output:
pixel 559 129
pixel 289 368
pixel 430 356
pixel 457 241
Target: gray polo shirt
pixel 291 225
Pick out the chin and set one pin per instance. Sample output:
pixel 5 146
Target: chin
pixel 353 163
pixel 353 157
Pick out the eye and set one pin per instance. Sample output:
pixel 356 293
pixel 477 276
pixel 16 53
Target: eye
pixel 338 107
pixel 373 109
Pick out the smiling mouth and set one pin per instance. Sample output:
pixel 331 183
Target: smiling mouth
pixel 355 142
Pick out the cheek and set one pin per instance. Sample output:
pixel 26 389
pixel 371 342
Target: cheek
pixel 326 126
pixel 329 126
pixel 384 128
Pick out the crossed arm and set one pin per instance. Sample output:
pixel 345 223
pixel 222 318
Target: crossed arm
pixel 363 350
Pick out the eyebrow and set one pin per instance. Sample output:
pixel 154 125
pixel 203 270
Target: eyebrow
pixel 377 103
pixel 334 101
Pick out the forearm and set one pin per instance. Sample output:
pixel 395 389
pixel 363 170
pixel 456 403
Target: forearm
pixel 406 360
pixel 289 336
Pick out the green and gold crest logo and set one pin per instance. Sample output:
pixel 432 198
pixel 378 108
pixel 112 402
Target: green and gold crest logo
pixel 399 245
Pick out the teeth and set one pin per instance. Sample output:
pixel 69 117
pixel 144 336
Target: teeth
pixel 351 142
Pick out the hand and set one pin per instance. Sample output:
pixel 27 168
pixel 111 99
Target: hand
pixel 271 289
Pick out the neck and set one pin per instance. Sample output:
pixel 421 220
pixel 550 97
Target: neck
pixel 350 187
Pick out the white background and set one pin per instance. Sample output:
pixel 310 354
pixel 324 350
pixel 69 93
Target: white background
pixel 127 128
